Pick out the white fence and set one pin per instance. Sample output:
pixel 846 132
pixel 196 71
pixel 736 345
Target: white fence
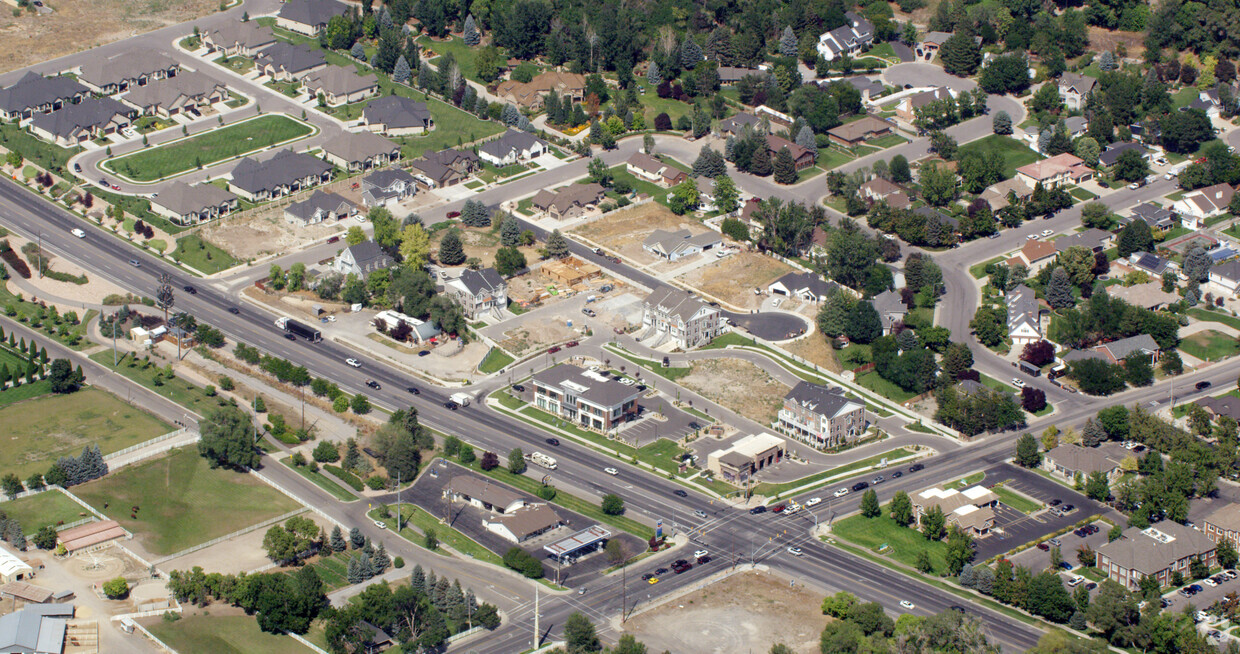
pixel 300 501
pixel 134 448
pixel 239 532
pixel 155 640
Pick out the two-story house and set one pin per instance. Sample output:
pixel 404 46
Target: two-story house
pixel 677 315
pixel 592 399
pixel 361 259
pixel 479 292
pixel 386 187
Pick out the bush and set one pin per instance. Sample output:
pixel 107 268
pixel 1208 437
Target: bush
pixel 116 589
pixel 326 452
pixel 346 476
pixel 521 561
pixel 376 482
pixel 398 563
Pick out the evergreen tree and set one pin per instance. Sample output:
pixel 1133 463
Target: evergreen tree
pixel 557 245
pixel 1106 61
pixel 356 538
pixel 358 51
pixel 401 73
pixel 337 542
pixel 709 163
pixel 16 537
pixel 960 54
pixel 451 250
pixel 456 602
pixel 470 32
pixel 805 139
pixel 653 76
pixel 417 580
pixel 899 170
pixel 1001 123
pixel 353 572
pixel 1059 290
pixel 1197 264
pixel 788 42
pixel 785 167
pixel 729 147
pixel 690 53
pixel 760 162
pixel 440 597
pixel 509 231
pixel 510 115
pixel 380 559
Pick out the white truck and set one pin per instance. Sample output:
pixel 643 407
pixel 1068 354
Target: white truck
pixel 1176 170
pixel 460 398
pixel 540 459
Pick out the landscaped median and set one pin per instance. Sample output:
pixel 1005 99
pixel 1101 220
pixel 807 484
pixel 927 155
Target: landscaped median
pixel 236 140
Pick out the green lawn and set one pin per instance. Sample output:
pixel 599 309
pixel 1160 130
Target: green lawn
pixel 884 537
pixel 670 374
pixel 1018 502
pixel 1209 345
pixel 1081 194
pixel 1015 154
pixel 45 429
pixel 655 105
pixel 640 185
pixel 1184 97
pixel 210 147
pixel 423 522
pixel 202 255
pixel 464 54
pixel 36 150
pixel 25 392
pixel 333 569
pixel 887 389
pixel 888 141
pixel 829 158
pixel 495 360
pixel 50 508
pixel 1215 316
pixel 854 356
pixel 996 384
pixel 179 499
pixel 978 270
pixel 453 127
pixel 233 634
pixel 322 482
pixel 30 313
pixel 178 390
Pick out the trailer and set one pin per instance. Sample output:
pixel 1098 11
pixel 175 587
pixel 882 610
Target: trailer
pixel 540 459
pixel 295 328
pixel 461 398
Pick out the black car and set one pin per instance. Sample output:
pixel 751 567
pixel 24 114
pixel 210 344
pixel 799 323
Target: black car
pixel 660 572
pixel 1055 502
pixel 289 336
pixel 191 290
pixel 518 388
pixel 897 474
pixel 1068 508
pixel 373 384
pixel 704 559
pixel 680 493
pixel 554 442
pixel 234 311
pixel 77 167
pixel 414 390
pixel 451 405
pixel 757 509
pixel 1203 385
pixel 424 353
pixel 915 467
pixel 957 607
pixel 861 485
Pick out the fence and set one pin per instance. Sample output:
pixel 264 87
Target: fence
pixel 155 640
pixel 134 448
pixel 169 444
pixel 239 532
pixel 310 645
pixel 300 501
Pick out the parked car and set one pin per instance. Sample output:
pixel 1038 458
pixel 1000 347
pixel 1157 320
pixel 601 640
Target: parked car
pixel 553 349
pixel 518 388
pixel 1044 547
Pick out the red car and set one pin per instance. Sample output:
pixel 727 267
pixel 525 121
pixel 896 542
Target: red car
pixel 453 214
pixel 571 344
pixel 553 349
pixel 779 508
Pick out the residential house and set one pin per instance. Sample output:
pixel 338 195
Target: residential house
pixel 283 174
pixel 187 93
pixel 1000 194
pixel 681 243
pixel 122 71
pixel 1024 316
pixel 1219 255
pixel 1196 206
pixel 1076 126
pixel 361 259
pixel 1155 216
pixel 729 75
pixel 746 457
pixel 286 62
pixel 395 115
pixel 235 38
pixel 1147 296
pixel 686 320
pixel 1225 277
pixel 651 169
pixel 930 213
pixel 187 205
pixel 1092 239
pixel 882 190
pixel 1069 461
pixel 338 85
pixel 532 94
pixel 1074 88
pixel 734 125
pixel 479 292
pixel 589 398
pixel 802 158
pixel 848 39
pixel 891 309
pixel 907 109
pixel 869 88
pixel 317 208
pixel 706 193
pixel 309 17
pixel 821 416
pixel 36 94
pixel 512 147
pixel 931 43
pixel 1111 155
pixel 806 286
pixel 523 524
pixel 1055 171
pixel 444 168
pixel 91 118
pixel 1157 552
pixel 37 629
pixel 971 509
pixel 1151 263
pixel 569 202
pixel 360 151
pixel 772 116
pixel 1223 405
pixel 1223 522
pixel 1116 351
pixel 383 188
pixel 859 131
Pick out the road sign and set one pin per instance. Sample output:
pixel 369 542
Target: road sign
pixel 658 530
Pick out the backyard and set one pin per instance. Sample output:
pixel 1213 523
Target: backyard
pixel 209 147
pixel 41 430
pixel 1015 154
pixel 178 498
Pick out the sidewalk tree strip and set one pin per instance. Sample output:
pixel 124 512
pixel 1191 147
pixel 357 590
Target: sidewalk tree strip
pixel 208 148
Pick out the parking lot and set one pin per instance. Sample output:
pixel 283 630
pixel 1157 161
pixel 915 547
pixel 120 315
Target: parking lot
pixel 1014 528
pixel 1037 559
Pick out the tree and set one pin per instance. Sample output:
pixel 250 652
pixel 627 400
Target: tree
pixel 1032 399
pixel 470 32
pixel 788 42
pixel 1047 597
pixel 12 485
pixel 939 185
pixel 516 461
pixel 899 170
pixel 580 636
pixel 863 324
pixel 360 404
pixel 869 504
pixel 1001 123
pixel 1197 264
pixel 726 196
pixel 451 249
pixel 415 245
pixel 932 523
pixel 960 54
pixel 557 245
pixel 653 76
pixel 1131 167
pixel 116 588
pixel 959 550
pixel 901 508
pixel 612 504
pixel 1226 553
pixel 1135 237
pixel 957 359
pixel 785 167
pixel 509 261
pixel 1027 453
pixel 1096 377
pixel 228 439
pixel 1059 290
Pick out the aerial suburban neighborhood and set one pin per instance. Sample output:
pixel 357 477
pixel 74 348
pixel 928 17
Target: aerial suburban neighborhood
pixel 349 327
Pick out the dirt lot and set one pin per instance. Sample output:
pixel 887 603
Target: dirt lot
pixel 732 279
pixel 623 231
pixel 748 612
pixel 738 385
pixel 537 334
pixel 263 230
pixel 816 349
pixel 241 554
pixel 481 242
pixel 77 25
pixel 1102 39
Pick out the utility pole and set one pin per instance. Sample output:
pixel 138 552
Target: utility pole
pixel 537 629
pixel 398 513
pixel 115 319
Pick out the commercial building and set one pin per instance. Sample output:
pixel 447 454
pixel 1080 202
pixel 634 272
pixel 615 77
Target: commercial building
pixel 524 523
pixel 821 416
pixel 593 399
pixel 746 457
pixel 688 321
pixel 484 494
pixel 579 544
pixel 1155 551
pixel 971 509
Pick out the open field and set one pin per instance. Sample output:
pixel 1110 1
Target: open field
pixel 1209 345
pixel 902 543
pixel 748 612
pixel 203 256
pixel 1015 154
pixel 209 147
pixel 624 231
pixel 738 385
pixel 179 498
pixel 733 278
pixel 39 431
pixel 50 508
pixel 481 242
pixel 222 634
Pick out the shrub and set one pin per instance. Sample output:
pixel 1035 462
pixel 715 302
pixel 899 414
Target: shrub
pixel 346 476
pixel 398 563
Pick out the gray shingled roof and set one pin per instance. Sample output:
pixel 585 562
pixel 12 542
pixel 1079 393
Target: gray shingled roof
pixel 479 281
pixel 586 386
pixel 292 58
pixel 795 281
pixel 1112 153
pixel 889 302
pixel 319 202
pixel 128 65
pixel 357 146
pixel 397 112
pixel 181 198
pixel 34 90
pixel 249 34
pixel 187 83
pixel 1125 346
pixel 312 12
pixel 1138 550
pixel 510 141
pixel 368 254
pixel 675 302
pixel 1089 239
pixel 89 113
pixel 340 80
pixel 386 177
pixel 1083 84
pixel 284 168
pixel 822 400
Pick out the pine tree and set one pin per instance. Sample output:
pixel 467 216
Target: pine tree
pixel 1001 123
pixel 785 167
pixel 760 162
pixel 1059 290
pixel 426 76
pixel 356 538
pixel 451 250
pixel 805 139
pixel 690 53
pixel 440 599
pixel 337 542
pixel 788 42
pixel 385 19
pixel 16 537
pixel 358 51
pixel 430 584
pixel 456 602
pixel 510 115
pixel 653 75
pixel 729 148
pixel 557 245
pixel 354 572
pixel 1106 61
pixel 509 232
pixel 380 559
pixel 366 565
pixel 417 580
pixel 401 73
pixel 352 455
pixel 470 32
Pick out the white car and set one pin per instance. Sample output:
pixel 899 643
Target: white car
pixel 1075 581
pixel 1018 382
pixel 353 362
pixel 908 605
pixel 611 471
pixel 813 501
pixel 795 551
pixel 1209 582
pixel 380 524
pixel 700 553
pixel 1047 232
pixel 78 233
pixel 776 302
pixel 841 492
pixel 1031 237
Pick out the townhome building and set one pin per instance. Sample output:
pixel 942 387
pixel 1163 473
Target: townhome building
pixel 822 416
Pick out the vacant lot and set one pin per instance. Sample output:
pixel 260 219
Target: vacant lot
pixel 77 25
pixel 883 536
pixel 50 508
pixel 624 231
pixel 1015 154
pixel 732 279
pixel 738 385
pixel 481 242
pixel 748 612
pixel 179 499
pixel 816 349
pixel 537 335
pixel 222 634
pixel 257 232
pixel 1210 345
pixel 209 147
pixel 39 431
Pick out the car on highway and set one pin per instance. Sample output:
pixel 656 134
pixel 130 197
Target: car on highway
pixel 681 565
pixel 907 604
pixel 234 311
pixel 373 384
pixel 877 480
pixel 1018 382
pixel 553 349
pixel 916 466
pixel 190 289
pixel 680 493
pixel 353 362
pixel 554 442
pixel 860 486
pixel 571 344
pixel 841 492
pixel 1047 232
pixel 757 509
pixel 897 474
pixel 650 579
pixel 451 406
pixel 135 263
pixel 289 336
pixel 660 572
pixel 413 390
pixel 703 559
pixel 813 501
pixel 598 251
pixel 78 233
pixel 699 513
pixel 424 353
pixel 611 471
pixel 779 508
pixel 795 551
pixel 1203 385
pixel 116 187
pixel 700 553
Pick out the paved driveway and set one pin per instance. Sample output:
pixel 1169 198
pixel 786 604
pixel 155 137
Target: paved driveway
pixel 923 74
